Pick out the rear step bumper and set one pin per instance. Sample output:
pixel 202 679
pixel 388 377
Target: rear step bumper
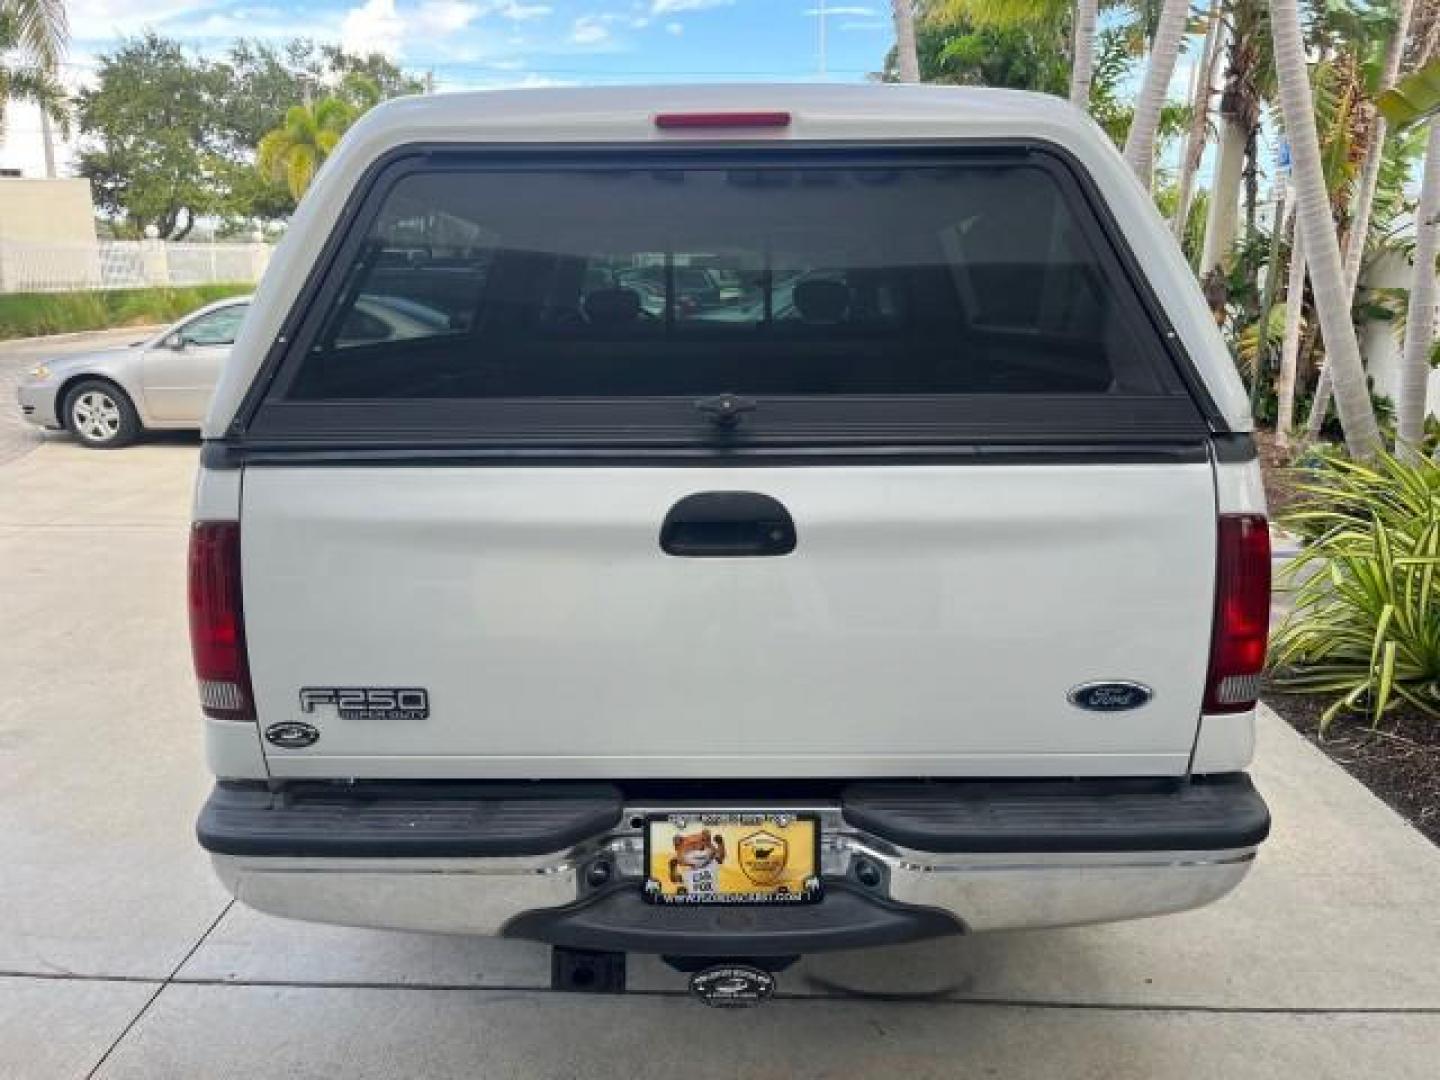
pixel 562 863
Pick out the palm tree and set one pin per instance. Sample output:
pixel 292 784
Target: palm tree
pixel 33 83
pixel 39 27
pixel 1416 99
pixel 1316 229
pixel 1140 142
pixel 1410 397
pixel 1082 67
pixel 1199 118
pixel 1009 14
pixel 1365 197
pixel 293 152
pixel 1290 342
pixel 907 58
pixel 1246 84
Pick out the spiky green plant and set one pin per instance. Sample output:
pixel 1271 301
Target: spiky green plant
pixel 1365 625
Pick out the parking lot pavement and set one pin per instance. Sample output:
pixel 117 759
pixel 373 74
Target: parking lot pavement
pixel 120 957
pixel 17 357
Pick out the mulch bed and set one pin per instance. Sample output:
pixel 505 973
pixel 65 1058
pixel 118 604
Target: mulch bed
pixel 1275 468
pixel 1399 761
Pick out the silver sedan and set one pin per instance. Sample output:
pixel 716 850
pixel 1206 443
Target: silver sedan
pixel 108 398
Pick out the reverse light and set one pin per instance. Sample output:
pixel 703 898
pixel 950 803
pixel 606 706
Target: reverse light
pixel 217 622
pixel 722 119
pixel 1242 614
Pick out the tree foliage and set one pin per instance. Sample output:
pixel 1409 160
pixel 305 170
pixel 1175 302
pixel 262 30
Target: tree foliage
pixel 292 153
pixel 39 27
pixel 955 49
pixel 154 150
pixel 24 75
pixel 169 137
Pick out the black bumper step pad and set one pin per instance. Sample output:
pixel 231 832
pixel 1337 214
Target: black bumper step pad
pixel 384 819
pixel 1201 814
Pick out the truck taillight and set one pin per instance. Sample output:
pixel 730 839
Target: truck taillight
pixel 217 623
pixel 1242 614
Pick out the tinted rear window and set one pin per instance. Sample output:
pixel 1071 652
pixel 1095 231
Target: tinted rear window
pixel 827 281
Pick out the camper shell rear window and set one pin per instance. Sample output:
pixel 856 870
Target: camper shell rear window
pixel 603 297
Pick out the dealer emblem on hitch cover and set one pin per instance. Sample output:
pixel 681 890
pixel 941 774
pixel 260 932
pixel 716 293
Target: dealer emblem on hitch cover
pixel 732 986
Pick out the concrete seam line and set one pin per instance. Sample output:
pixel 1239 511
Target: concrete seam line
pixel 159 990
pixel 839 995
pixel 75 976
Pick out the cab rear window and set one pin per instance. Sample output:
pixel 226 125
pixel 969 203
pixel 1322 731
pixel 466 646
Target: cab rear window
pixel 827 281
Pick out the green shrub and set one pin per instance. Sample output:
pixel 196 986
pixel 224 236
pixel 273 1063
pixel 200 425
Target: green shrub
pixel 1366 619
pixel 36 314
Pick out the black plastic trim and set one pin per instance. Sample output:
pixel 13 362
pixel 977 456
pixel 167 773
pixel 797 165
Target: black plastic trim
pixel 404 819
pixel 221 455
pixel 1235 448
pixel 1213 813
pixel 618 918
pixel 302 322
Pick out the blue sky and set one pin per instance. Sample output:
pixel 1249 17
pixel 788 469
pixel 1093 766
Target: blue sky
pixel 472 43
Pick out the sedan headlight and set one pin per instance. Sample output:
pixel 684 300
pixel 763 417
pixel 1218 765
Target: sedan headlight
pixel 39 371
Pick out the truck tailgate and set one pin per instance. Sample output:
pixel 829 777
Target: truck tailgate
pixel 931 621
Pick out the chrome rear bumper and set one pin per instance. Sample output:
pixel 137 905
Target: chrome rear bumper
pixel 978 891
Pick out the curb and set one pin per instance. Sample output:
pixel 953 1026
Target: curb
pixel 69 334
pixel 1284 546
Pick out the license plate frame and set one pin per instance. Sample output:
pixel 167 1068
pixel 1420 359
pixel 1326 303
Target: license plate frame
pixel 746 873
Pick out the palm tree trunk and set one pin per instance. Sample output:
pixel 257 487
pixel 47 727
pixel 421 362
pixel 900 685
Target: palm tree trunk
pixel 1364 200
pixel 1420 317
pixel 1140 142
pixel 1290 343
pixel 1267 300
pixel 1082 67
pixel 907 59
pixel 1317 233
pixel 1199 119
pixel 1224 212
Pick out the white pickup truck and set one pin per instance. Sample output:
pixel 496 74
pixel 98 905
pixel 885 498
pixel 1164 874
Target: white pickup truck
pixel 728 523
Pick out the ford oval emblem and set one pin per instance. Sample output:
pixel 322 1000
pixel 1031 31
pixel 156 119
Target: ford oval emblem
pixel 732 986
pixel 291 734
pixel 1115 696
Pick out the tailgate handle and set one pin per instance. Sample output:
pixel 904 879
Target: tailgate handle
pixel 727 523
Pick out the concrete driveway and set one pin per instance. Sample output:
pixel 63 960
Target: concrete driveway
pixel 120 957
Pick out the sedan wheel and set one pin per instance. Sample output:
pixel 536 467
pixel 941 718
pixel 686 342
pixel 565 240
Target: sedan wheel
pixel 100 415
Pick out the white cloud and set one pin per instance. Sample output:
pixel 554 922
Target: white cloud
pixel 374 27
pixel 675 28
pixel 445 16
pixel 100 20
pixel 590 30
pixel 517 11
pixel 831 12
pixel 665 7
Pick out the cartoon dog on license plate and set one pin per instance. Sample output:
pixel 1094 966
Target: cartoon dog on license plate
pixel 695 866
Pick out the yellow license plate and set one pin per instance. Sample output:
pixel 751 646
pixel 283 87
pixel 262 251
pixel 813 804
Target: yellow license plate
pixel 732 858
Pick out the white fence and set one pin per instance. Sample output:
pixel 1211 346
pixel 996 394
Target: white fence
pixel 127 264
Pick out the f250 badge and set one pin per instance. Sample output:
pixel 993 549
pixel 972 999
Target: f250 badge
pixel 1115 696
pixel 368 702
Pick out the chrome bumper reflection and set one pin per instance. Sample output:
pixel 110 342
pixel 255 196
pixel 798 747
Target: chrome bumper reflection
pixel 982 891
